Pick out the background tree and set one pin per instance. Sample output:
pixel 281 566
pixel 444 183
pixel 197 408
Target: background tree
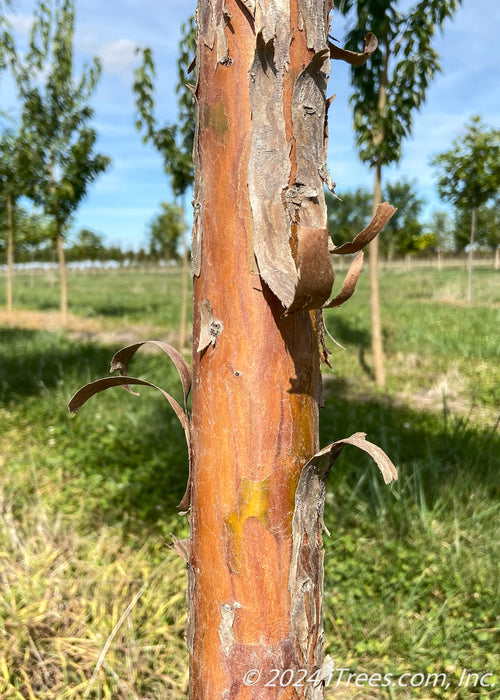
pixel 32 236
pixel 165 231
pixel 386 94
pixel 61 163
pixel 11 187
pixel 174 142
pixel 403 231
pixel 347 214
pixel 34 232
pixel 11 145
pixel 87 245
pixel 468 175
pixel 487 233
pixel 6 41
pixel 441 229
pixel 489 227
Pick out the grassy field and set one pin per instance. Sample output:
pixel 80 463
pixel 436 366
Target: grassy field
pixel 91 595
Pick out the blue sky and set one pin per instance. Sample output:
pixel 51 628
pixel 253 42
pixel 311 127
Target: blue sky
pixel 123 200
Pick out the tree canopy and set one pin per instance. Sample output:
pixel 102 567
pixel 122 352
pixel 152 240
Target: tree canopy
pixel 7 50
pixel 9 156
pixel 87 245
pixel 468 174
pixel 165 231
pixel 60 162
pixel 442 231
pixel 174 142
pixel 394 84
pixel 404 232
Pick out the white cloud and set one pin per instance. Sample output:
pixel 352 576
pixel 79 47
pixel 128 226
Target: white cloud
pixel 21 23
pixel 117 57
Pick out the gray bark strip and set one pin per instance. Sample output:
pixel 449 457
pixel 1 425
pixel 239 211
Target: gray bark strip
pixel 272 20
pixel 270 153
pixel 305 581
pixel 315 16
pixel 306 573
pixel 295 282
pixel 308 119
pixel 305 197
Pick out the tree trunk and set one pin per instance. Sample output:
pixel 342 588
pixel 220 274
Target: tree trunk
pixel 62 276
pixel 255 592
pixel 376 329
pixel 390 251
pixel 10 256
pixel 496 259
pixel 470 258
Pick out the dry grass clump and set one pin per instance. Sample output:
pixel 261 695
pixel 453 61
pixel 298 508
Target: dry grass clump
pixel 87 617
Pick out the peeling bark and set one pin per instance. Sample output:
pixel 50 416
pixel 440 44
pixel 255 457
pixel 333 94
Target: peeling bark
pixel 262 272
pixel 210 327
pixel 382 213
pixel 306 573
pixel 256 389
pixel 306 568
pixel 294 151
pixel 353 57
pixel 120 362
pixel 315 270
pixel 308 117
pixel 349 283
pixel 315 18
pixel 269 153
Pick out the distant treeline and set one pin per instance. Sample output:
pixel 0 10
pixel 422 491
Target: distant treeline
pixel 47 255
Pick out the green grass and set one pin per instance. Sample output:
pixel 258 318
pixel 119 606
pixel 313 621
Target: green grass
pixel 432 340
pixel 130 296
pixel 87 503
pixel 411 580
pixel 86 507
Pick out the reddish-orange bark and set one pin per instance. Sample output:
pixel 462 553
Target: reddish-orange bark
pixel 255 396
